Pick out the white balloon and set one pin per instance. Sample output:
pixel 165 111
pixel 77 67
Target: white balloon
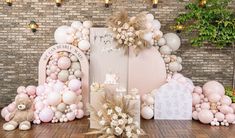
pixel 60 34
pixel 69 97
pixel 85 31
pixel 172 40
pixel 148 37
pixel 78 35
pixel 147 112
pixel 71 31
pixel 156 24
pixel 149 100
pixel 166 50
pixel 69 39
pixel 76 25
pixel 84 45
pixel 87 24
pixel 149 17
pixel 161 41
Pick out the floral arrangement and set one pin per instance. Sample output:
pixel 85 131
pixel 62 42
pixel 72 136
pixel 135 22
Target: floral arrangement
pixel 116 119
pixel 131 32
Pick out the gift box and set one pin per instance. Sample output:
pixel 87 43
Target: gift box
pixel 173 101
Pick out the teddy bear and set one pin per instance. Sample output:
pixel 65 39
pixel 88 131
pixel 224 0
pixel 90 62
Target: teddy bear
pixel 22 116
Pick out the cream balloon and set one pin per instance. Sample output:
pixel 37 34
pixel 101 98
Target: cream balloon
pixel 156 24
pixel 69 97
pixel 63 75
pixel 61 35
pixel 76 25
pixel 87 24
pixel 54 98
pixel 149 17
pixel 172 40
pixel 84 45
pixel 174 66
pixel 166 50
pixel 162 41
pixel 147 112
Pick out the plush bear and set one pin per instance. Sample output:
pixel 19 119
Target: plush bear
pixel 22 116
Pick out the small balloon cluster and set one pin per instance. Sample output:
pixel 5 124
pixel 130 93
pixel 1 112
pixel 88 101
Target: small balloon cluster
pixel 148 100
pixel 212 106
pixel 77 34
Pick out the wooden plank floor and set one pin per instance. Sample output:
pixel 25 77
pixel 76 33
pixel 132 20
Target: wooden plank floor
pixel 154 129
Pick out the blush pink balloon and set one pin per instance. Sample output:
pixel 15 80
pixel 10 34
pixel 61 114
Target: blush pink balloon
pixel 196 98
pixel 80 114
pixel 73 106
pixel 213 87
pixel 64 63
pixel 46 115
pixel 53 68
pixel 233 106
pixel 7 117
pixel 195 115
pixel 40 89
pixel 71 116
pixel 39 105
pixel 74 84
pixel 11 107
pixel 205 106
pixel 214 97
pixel 78 92
pixel 226 100
pixel 224 109
pixel 21 89
pixel 198 89
pixel 53 76
pixel 31 90
pixel 230 118
pixel 205 116
pixel 219 116
pixel 59 86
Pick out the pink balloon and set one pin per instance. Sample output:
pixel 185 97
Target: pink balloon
pixel 7 117
pixel 46 115
pixel 21 89
pixel 53 76
pixel 195 115
pixel 213 87
pixel 226 100
pixel 54 98
pixel 78 92
pixel 11 107
pixel 64 63
pixel 214 97
pixel 39 105
pixel 59 86
pixel 71 116
pixel 205 116
pixel 233 106
pixel 74 84
pixel 219 116
pixel 31 90
pixel 225 109
pixel 198 89
pixel 205 106
pixel 196 98
pixel 4 112
pixel 53 68
pixel 40 89
pixel 230 118
pixel 73 106
pixel 80 114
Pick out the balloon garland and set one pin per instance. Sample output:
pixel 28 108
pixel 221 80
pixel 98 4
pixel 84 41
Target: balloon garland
pixel 60 98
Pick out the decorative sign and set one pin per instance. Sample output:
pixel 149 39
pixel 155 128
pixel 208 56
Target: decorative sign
pixel 105 58
pixel 173 101
pixel 82 59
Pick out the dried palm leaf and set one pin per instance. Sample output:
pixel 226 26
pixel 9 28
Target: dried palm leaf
pixel 118 19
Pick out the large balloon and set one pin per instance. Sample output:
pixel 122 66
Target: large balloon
pixel 69 97
pixel 64 63
pixel 172 40
pixel 205 116
pixel 46 115
pixel 60 34
pixel 74 84
pixel 54 98
pixel 214 97
pixel 213 87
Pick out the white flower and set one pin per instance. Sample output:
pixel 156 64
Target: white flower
pixel 105 106
pixel 102 122
pixel 108 131
pixel 114 117
pixel 114 123
pixel 130 120
pixel 120 122
pixel 138 132
pixel 128 134
pixel 128 129
pixel 118 109
pixel 99 113
pixel 118 131
pixel 110 111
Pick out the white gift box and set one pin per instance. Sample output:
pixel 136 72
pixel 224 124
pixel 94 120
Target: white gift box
pixel 173 101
